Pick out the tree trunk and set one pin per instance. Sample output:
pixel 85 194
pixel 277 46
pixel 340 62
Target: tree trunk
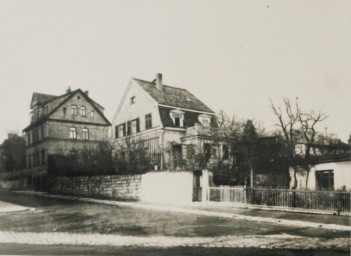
pixel 295 179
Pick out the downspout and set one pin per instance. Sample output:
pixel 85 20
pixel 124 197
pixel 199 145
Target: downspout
pixel 162 149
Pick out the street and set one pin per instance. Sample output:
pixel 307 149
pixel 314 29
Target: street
pixel 61 226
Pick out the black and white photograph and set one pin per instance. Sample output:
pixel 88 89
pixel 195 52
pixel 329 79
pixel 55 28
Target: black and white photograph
pixel 175 127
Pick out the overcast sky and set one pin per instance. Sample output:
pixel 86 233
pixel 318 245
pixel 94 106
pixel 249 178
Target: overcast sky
pixel 233 55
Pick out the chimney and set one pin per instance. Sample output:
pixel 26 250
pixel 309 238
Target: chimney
pixel 68 90
pixel 159 84
pixel 86 93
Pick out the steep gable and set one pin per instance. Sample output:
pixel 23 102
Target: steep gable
pixel 56 104
pixel 79 100
pixel 136 104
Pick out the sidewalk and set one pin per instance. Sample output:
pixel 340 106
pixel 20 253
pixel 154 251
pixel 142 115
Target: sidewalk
pixel 8 207
pixel 216 210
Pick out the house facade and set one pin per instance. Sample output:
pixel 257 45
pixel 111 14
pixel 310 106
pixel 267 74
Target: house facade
pixel 164 123
pixel 60 125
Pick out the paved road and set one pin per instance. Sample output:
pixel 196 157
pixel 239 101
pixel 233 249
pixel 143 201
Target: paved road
pixel 126 230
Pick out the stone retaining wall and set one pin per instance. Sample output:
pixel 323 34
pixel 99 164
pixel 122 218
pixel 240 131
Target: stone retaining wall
pixel 112 186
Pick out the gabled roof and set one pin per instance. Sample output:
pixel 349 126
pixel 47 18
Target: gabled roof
pixel 173 96
pixel 67 96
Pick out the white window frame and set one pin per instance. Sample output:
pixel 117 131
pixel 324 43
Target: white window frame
pixel 83 111
pixel 74 110
pixel 176 113
pixel 73 133
pixel 85 134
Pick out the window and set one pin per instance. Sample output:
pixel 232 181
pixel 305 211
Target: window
pixel 148 121
pixel 204 119
pixel 121 130
pixel 74 110
pixel 39 112
pixel 177 117
pixel 73 133
pixel 64 110
pixel 37 158
pixel 325 180
pixel 133 126
pixel 116 131
pixel 43 156
pixel 85 132
pixel 132 100
pixel 82 111
pixel 92 114
pixel 29 165
pixel 42 131
pixel 225 152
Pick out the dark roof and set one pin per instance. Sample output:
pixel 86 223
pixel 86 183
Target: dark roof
pixel 41 98
pixel 173 96
pixel 190 118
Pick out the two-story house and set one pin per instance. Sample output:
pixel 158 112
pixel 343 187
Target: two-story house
pixel 60 124
pixel 162 120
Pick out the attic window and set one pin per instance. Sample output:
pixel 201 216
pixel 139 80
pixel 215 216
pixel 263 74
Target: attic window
pixel 78 97
pixel 188 99
pixel 132 100
pixel 177 117
pixel 204 119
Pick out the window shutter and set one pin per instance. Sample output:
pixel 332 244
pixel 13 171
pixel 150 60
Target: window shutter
pixel 129 128
pixel 137 125
pixel 116 131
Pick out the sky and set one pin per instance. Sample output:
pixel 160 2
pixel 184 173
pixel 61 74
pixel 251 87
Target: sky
pixel 233 55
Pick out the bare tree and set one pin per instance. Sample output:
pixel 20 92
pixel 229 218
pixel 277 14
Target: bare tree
pixel 298 128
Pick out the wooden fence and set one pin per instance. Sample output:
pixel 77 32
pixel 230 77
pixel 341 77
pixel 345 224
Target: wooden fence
pixel 318 200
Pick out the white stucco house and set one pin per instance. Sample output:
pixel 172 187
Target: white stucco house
pixel 165 121
pixel 329 176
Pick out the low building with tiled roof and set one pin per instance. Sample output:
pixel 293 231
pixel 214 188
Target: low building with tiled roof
pixel 60 124
pixel 163 120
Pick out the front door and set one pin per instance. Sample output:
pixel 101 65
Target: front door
pixel 197 189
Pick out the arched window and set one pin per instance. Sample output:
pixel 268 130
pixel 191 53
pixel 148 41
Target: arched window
pixel 74 110
pixel 73 133
pixel 85 133
pixel 82 111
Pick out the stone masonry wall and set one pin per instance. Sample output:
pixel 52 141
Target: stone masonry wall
pixel 125 187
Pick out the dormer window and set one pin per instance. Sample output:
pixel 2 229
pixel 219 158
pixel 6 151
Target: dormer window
pixel 177 117
pixel 205 120
pixel 132 100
